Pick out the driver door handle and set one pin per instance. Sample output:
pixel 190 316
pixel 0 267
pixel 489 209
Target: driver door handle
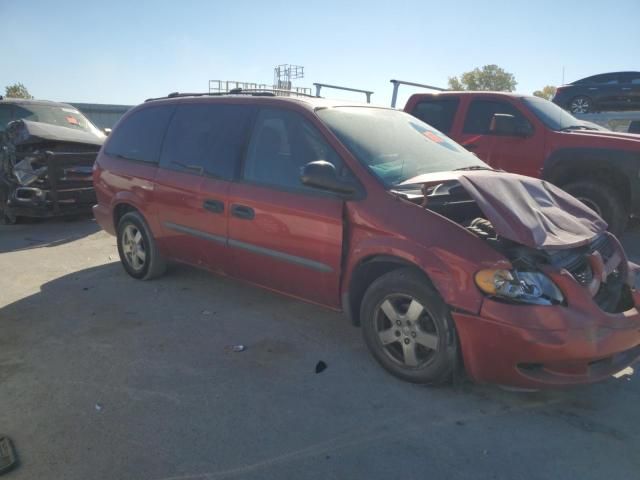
pixel 213 206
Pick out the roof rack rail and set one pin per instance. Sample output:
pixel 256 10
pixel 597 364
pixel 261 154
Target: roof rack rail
pixel 257 92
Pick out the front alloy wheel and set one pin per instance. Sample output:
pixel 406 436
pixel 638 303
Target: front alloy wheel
pixel 408 328
pixel 408 334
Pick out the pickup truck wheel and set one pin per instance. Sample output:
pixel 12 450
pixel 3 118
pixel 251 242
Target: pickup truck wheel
pixel 603 200
pixel 408 329
pixel 580 104
pixel 137 248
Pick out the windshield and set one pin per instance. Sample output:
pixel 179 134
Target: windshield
pixel 394 145
pixel 555 117
pixel 61 116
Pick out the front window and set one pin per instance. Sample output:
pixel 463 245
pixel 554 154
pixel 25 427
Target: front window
pixel 395 146
pixel 61 116
pixel 553 116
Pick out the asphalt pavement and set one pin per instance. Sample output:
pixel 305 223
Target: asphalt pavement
pixel 106 377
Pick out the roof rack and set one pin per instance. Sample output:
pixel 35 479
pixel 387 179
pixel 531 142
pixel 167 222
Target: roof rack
pixel 256 92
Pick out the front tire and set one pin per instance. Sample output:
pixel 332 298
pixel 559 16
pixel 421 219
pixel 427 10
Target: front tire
pixel 408 329
pixel 603 200
pixel 581 104
pixel 137 248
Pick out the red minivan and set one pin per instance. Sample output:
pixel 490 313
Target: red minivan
pixel 445 263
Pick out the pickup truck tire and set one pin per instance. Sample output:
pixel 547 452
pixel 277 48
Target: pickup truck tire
pixel 137 248
pixel 408 329
pixel 604 200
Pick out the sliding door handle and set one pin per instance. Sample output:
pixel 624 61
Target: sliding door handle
pixel 242 211
pixel 214 206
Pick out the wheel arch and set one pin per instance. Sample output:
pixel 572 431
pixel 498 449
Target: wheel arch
pixel 365 272
pixel 601 166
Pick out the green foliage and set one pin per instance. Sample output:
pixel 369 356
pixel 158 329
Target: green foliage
pixel 547 92
pixel 17 90
pixel 489 77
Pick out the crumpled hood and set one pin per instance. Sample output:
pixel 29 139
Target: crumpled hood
pixel 23 132
pixel 526 210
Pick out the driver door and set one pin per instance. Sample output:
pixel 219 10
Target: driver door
pixel 284 235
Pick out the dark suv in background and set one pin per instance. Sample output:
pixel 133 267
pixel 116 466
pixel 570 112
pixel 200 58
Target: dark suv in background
pixel 607 91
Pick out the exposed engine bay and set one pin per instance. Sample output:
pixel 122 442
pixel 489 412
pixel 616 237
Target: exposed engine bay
pixel 595 263
pixel 45 170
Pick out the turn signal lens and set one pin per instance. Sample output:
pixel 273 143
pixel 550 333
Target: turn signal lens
pixel 490 280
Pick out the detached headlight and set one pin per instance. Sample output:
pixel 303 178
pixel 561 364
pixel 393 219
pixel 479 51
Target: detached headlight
pixel 523 287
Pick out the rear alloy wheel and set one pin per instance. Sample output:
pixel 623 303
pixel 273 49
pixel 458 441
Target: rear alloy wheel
pixel 137 248
pixel 408 329
pixel 580 104
pixel 603 200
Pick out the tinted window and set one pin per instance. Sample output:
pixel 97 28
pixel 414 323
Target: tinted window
pixel 206 138
pixel 282 143
pixel 606 79
pixel 139 136
pixel 633 78
pixel 5 116
pixel 481 113
pixel 437 113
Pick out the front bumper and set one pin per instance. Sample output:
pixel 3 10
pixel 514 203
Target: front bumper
pixel 41 203
pixel 531 346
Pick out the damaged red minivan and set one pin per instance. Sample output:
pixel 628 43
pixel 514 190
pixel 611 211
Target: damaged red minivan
pixel 445 263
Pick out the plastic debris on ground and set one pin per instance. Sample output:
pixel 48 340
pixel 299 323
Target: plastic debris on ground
pixel 8 459
pixel 234 348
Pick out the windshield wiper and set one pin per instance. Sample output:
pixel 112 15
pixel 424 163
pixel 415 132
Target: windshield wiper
pixel 472 167
pixel 576 127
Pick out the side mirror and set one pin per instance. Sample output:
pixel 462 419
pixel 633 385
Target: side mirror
pixel 106 131
pixel 322 175
pixel 506 124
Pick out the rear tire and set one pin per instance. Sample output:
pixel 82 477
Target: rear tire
pixel 581 104
pixel 408 329
pixel 137 248
pixel 603 200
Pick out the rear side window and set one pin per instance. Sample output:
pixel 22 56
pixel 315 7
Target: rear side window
pixel 481 113
pixel 605 79
pixel 632 78
pixel 437 113
pixel 139 136
pixel 206 138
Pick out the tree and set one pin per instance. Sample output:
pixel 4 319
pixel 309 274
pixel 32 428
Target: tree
pixel 489 77
pixel 17 90
pixel 547 92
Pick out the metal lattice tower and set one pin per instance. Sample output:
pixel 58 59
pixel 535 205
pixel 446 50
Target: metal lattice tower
pixel 283 74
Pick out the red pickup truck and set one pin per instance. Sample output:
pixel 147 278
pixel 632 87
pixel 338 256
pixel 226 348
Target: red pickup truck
pixel 532 136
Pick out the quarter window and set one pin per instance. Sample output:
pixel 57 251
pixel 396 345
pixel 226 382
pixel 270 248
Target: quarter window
pixel 140 135
pixel 481 113
pixel 283 142
pixel 206 138
pixel 437 113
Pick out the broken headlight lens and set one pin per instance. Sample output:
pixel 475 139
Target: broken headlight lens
pixel 519 286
